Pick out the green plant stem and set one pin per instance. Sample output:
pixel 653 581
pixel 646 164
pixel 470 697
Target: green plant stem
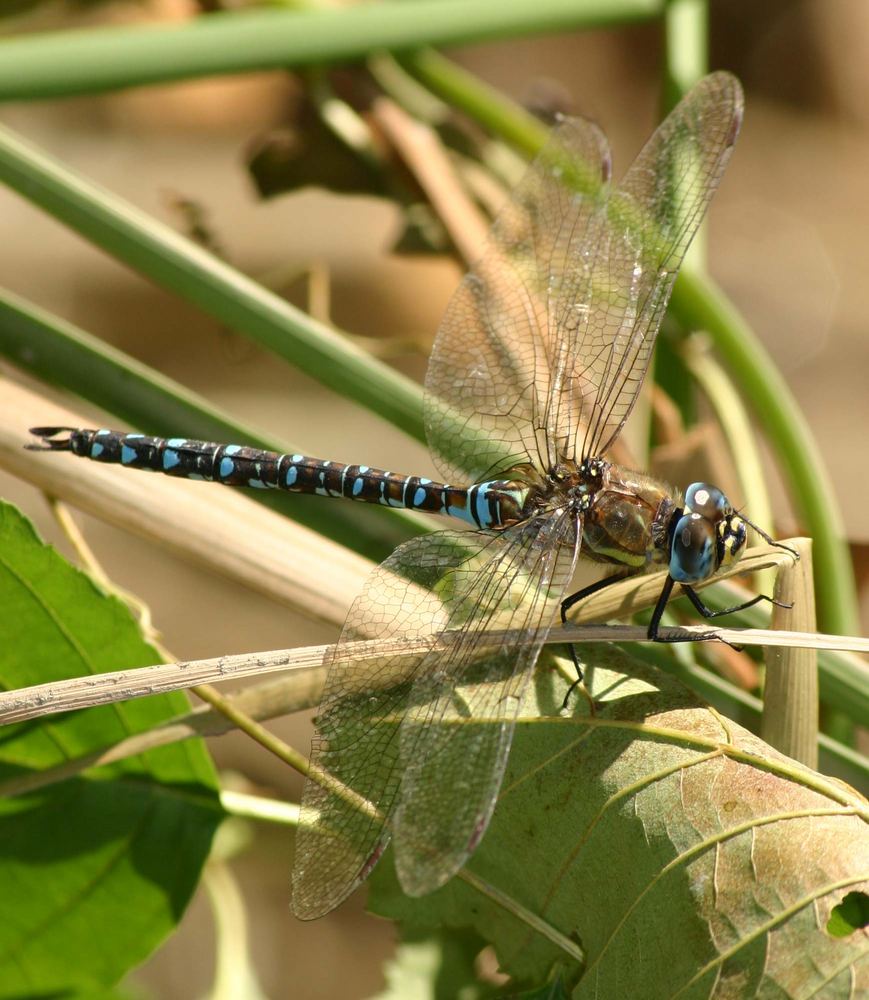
pixel 260 808
pixel 61 64
pixel 461 89
pixel 235 300
pixel 255 730
pixel 686 60
pixel 686 50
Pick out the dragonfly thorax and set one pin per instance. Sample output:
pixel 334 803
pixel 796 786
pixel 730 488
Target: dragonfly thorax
pixel 566 488
pixel 634 520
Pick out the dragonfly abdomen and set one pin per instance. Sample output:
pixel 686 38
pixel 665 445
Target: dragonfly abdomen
pixel 490 505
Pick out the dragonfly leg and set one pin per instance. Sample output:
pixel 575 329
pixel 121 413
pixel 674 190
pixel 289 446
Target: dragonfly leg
pixel 592 588
pixel 566 605
pixel 707 612
pixel 664 597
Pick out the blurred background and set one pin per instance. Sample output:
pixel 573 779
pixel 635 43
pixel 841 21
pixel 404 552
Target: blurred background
pixel 787 241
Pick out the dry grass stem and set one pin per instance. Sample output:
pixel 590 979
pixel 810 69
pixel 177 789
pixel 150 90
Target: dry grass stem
pixel 306 664
pixel 790 698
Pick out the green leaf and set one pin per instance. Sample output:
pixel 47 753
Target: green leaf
pixel 657 846
pixel 97 870
pixel 851 915
pixel 430 965
pixel 555 989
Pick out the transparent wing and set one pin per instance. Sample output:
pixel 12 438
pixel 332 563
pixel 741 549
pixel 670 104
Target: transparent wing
pixel 545 345
pixel 348 800
pixel 460 581
pixel 497 348
pixel 456 735
pixel 650 221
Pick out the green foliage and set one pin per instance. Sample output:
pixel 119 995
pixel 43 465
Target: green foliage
pixel 430 965
pixel 96 870
pixel 852 914
pixel 667 846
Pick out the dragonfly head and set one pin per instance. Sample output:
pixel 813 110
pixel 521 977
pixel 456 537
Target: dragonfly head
pixel 709 534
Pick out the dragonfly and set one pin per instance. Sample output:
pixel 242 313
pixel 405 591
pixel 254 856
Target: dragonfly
pixel 536 366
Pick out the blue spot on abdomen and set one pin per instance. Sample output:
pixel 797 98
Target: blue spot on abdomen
pixel 484 516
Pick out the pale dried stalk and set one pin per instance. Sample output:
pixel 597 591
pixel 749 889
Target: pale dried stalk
pixel 790 696
pixel 269 700
pixel 423 153
pixel 161 678
pixel 99 689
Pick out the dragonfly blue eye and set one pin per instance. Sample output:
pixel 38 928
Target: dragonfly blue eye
pixel 693 554
pixel 706 500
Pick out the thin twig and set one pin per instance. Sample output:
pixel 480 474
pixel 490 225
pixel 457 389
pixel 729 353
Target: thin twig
pixel 33 702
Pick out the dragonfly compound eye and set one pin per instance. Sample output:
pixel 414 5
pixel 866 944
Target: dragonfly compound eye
pixel 693 552
pixel 706 500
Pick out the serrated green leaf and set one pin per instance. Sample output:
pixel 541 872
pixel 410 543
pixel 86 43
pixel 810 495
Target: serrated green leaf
pixel 681 854
pixel 97 870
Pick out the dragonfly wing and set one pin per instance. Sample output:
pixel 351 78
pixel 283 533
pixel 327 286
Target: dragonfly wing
pixel 651 219
pixel 456 735
pixel 425 587
pixel 491 368
pixel 349 796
